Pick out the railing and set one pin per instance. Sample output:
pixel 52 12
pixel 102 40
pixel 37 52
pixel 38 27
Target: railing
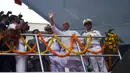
pixel 81 56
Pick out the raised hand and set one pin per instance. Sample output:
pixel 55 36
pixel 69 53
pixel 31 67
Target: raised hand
pixel 51 18
pixel 51 14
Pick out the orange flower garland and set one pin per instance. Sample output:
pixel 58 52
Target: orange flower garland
pixel 15 51
pixel 59 55
pixel 84 48
pixel 100 51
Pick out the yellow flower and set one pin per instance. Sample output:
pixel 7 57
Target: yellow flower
pixel 114 45
pixel 106 38
pixel 110 47
pixel 114 49
pixel 112 38
pixel 114 34
pixel 107 43
pixel 89 35
pixel 109 38
pixel 109 34
pixel 110 42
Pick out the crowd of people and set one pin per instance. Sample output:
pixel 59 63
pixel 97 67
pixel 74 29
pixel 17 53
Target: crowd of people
pixel 22 63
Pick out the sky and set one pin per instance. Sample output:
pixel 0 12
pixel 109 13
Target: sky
pixel 9 5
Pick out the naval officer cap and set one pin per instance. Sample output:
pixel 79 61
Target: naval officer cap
pixel 87 21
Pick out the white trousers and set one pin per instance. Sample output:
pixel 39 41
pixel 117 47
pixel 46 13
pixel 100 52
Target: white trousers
pixel 97 63
pixel 21 59
pixel 56 64
pixel 73 62
pixel 56 68
pixel 20 63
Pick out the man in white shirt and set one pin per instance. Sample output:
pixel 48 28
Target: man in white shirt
pixel 72 62
pixel 56 63
pixel 17 24
pixel 97 63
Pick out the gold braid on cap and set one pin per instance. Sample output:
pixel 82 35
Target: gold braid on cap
pixel 85 21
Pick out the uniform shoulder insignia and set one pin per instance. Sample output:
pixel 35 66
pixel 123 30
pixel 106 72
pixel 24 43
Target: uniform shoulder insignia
pixel 83 32
pixel 93 31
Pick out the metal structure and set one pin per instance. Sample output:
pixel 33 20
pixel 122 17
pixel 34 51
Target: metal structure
pixel 81 56
pixel 104 13
pixel 123 65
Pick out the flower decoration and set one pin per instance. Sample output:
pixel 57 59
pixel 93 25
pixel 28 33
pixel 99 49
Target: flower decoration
pixel 10 36
pixel 111 41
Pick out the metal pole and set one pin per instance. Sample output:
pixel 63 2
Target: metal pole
pixel 119 54
pixel 62 36
pixel 81 58
pixel 39 53
pixel 53 55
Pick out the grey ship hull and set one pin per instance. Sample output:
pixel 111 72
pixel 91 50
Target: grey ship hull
pixel 104 13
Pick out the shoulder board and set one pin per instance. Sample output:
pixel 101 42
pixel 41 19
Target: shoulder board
pixel 83 32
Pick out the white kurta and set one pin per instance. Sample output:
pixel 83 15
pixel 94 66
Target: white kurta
pixel 20 59
pixel 96 62
pixel 66 41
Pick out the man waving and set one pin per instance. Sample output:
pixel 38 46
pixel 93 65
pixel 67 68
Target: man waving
pixel 72 62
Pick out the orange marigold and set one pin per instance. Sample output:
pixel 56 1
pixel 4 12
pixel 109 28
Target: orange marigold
pixel 110 47
pixel 106 38
pixel 114 45
pixel 114 34
pixel 110 42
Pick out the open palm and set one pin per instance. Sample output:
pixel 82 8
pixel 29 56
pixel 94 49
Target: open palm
pixel 51 14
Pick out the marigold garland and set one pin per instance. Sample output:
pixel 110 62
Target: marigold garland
pixel 65 47
pixel 30 49
pixel 24 41
pixel 84 48
pixel 47 49
pixel 56 54
pixel 5 51
pixel 72 38
pixel 18 52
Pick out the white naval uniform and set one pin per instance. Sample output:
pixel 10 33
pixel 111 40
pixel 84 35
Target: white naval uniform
pixel 97 63
pixel 66 41
pixel 54 66
pixel 20 59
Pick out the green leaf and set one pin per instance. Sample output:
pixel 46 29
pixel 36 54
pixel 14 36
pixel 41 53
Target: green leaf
pixel 110 30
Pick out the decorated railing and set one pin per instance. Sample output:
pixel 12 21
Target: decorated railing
pixel 109 45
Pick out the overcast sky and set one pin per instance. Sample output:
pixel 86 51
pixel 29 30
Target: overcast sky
pixel 9 5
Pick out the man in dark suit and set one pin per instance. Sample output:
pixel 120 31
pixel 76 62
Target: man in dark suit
pixel 34 61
